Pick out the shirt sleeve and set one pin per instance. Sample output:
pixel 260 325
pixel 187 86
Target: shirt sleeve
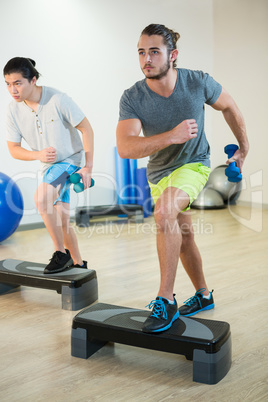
pixel 70 111
pixel 126 111
pixel 13 133
pixel 212 90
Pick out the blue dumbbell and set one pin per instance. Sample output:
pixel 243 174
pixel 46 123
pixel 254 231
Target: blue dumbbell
pixel 75 178
pixel 232 171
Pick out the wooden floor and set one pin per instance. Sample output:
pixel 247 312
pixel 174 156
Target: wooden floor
pixel 35 333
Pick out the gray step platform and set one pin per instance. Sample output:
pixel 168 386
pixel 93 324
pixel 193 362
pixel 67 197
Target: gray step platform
pixel 206 342
pixel 84 214
pixel 78 287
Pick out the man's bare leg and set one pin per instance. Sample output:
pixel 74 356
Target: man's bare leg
pixel 189 253
pixel 44 197
pixel 70 240
pixel 169 240
pixel 169 236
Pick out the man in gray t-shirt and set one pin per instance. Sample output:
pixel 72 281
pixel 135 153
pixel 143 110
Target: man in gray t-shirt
pixel 168 107
pixel 49 122
pixel 159 114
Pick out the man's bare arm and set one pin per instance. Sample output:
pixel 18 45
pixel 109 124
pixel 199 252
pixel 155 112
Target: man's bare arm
pixel 235 121
pixel 88 142
pixel 131 145
pixel 47 155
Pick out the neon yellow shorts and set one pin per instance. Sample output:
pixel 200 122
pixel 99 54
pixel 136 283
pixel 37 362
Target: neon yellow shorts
pixel 190 178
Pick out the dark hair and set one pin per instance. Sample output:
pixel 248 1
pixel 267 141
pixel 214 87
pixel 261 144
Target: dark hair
pixel 170 37
pixel 22 65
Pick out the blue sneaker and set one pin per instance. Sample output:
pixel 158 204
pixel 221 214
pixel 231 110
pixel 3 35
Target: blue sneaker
pixel 80 266
pixel 162 315
pixel 197 303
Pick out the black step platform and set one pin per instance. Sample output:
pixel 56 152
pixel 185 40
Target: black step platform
pixel 206 342
pixel 78 287
pixel 133 211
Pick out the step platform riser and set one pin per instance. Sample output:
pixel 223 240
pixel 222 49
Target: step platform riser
pixel 206 342
pixel 132 211
pixel 77 286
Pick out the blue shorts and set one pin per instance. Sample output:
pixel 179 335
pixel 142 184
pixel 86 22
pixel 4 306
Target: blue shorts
pixel 58 175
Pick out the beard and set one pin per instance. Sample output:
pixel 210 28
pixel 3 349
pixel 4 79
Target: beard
pixel 162 73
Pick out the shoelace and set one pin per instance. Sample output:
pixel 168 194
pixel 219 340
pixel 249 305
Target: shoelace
pixel 55 257
pixel 159 309
pixel 194 298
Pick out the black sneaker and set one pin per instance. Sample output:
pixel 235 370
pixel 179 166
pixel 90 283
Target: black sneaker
pixel 80 266
pixel 162 315
pixel 59 262
pixel 197 303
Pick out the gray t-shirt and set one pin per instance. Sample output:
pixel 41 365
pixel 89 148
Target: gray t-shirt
pixel 159 114
pixel 52 125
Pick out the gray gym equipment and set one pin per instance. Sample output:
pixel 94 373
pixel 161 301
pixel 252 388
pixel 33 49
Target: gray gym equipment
pixel 78 287
pixel 208 199
pixel 84 214
pixel 218 191
pixel 219 181
pixel 206 342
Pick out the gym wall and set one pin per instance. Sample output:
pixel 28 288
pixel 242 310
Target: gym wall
pixel 240 65
pixel 87 49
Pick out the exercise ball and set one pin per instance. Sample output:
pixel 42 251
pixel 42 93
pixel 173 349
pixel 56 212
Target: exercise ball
pixel 208 199
pixel 219 182
pixel 11 206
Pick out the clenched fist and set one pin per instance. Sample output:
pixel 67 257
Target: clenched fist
pixel 48 155
pixel 184 131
